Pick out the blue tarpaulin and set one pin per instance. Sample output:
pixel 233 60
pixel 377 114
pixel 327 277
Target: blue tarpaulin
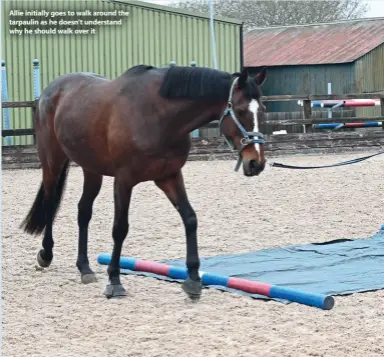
pixel 337 267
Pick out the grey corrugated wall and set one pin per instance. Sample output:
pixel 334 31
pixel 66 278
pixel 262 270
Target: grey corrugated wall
pixel 369 72
pixel 309 79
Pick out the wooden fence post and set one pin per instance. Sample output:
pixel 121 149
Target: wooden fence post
pixel 33 123
pixel 260 117
pixel 382 111
pixel 307 115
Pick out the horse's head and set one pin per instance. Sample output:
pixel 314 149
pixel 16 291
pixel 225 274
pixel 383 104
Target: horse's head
pixel 239 122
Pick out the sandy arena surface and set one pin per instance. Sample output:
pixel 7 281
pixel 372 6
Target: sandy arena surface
pixel 50 313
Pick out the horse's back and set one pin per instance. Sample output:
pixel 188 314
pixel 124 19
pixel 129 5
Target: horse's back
pixel 72 112
pixel 65 84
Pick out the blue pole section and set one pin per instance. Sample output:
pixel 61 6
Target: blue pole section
pixel 36 79
pixel 195 133
pixel 4 98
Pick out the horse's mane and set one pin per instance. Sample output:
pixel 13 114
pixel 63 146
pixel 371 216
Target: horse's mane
pixel 132 72
pixel 196 83
pixel 138 69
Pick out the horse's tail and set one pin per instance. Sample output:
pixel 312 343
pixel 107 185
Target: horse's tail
pixel 35 221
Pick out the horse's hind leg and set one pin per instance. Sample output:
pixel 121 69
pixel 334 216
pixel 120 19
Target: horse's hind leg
pixel 51 191
pixel 55 165
pixel 174 189
pixel 122 199
pixel 91 188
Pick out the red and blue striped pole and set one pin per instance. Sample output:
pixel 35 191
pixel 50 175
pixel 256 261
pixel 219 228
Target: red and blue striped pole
pixel 321 301
pixel 367 124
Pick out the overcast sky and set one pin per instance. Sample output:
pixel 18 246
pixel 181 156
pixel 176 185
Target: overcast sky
pixel 376 6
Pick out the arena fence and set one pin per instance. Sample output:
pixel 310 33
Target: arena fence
pixel 313 141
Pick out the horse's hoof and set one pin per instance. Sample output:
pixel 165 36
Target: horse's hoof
pixel 43 263
pixel 114 291
pixel 88 278
pixel 192 288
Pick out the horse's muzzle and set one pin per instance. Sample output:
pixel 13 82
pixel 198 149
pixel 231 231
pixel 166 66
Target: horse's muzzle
pixel 252 168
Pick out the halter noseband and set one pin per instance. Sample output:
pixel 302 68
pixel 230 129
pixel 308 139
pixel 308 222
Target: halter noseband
pixel 249 137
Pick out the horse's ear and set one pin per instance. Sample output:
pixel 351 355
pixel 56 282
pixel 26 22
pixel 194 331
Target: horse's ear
pixel 243 78
pixel 261 77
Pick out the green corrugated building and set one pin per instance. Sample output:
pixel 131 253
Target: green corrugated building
pixel 150 34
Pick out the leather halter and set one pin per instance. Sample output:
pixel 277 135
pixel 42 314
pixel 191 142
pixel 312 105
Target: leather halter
pixel 249 137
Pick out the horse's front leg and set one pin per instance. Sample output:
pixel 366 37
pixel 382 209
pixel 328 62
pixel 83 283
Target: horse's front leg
pixel 174 189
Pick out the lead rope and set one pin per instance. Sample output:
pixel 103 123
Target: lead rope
pixel 343 163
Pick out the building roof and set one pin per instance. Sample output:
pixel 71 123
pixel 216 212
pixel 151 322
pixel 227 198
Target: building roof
pixel 338 42
pixel 174 10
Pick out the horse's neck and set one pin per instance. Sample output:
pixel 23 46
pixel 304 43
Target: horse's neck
pixel 215 112
pixel 204 114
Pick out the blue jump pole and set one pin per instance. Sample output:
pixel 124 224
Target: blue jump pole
pixel 195 133
pixel 36 79
pixel 4 98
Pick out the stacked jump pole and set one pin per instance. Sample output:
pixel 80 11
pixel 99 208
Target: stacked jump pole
pixel 346 103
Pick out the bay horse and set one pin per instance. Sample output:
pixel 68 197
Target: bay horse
pixel 135 128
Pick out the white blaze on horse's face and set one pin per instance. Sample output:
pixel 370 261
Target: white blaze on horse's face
pixel 253 107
